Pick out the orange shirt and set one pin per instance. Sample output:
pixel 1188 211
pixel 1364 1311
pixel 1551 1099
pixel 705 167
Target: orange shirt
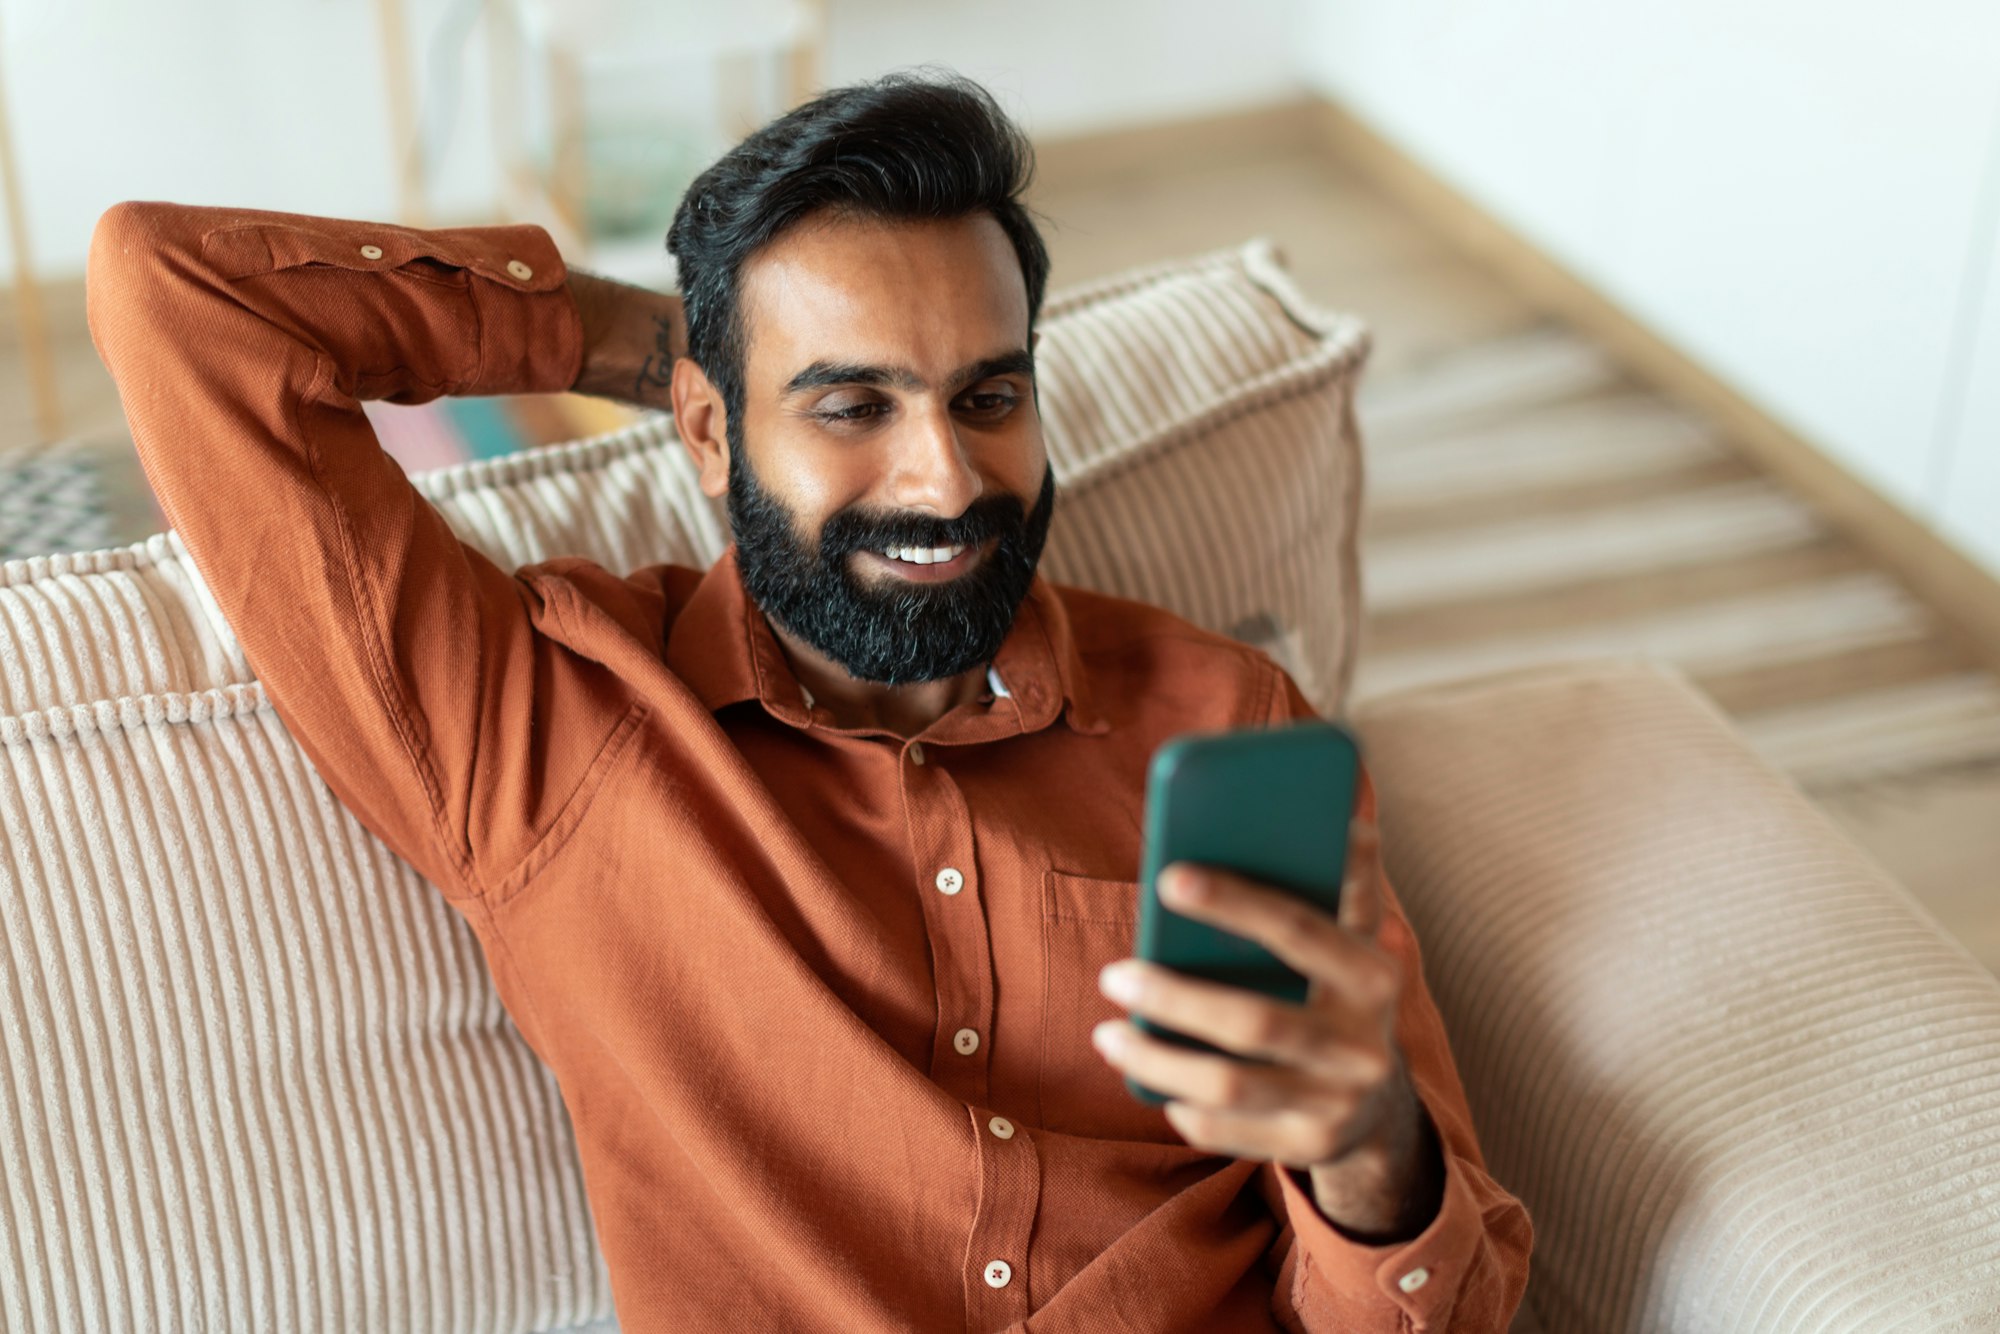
pixel 818 999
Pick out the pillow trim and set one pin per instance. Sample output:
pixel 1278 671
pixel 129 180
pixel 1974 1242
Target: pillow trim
pixel 127 713
pixel 1260 259
pixel 143 554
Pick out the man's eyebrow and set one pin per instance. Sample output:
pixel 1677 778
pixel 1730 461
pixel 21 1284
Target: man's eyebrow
pixel 1018 362
pixel 821 374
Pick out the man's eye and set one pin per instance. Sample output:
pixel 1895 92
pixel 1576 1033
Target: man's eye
pixel 989 405
pixel 854 413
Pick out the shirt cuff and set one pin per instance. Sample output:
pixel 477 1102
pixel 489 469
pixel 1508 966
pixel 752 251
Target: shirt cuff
pixel 1419 1278
pixel 530 333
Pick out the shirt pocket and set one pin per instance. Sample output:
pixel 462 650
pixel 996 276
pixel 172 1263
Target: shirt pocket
pixel 1087 922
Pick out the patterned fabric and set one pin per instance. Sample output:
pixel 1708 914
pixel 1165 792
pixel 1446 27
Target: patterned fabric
pixel 70 496
pixel 258 1075
pixel 1741 1079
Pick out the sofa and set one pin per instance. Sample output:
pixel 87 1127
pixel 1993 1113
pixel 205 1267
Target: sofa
pixel 253 1075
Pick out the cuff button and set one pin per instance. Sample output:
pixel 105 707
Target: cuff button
pixel 1413 1280
pixel 520 270
pixel 371 252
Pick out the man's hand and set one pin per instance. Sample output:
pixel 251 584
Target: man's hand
pixel 631 336
pixel 1336 1100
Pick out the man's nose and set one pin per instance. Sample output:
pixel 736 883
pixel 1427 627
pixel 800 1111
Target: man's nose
pixel 933 470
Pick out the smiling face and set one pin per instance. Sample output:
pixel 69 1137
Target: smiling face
pixel 887 479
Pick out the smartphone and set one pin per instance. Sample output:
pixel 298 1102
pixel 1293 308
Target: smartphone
pixel 1272 803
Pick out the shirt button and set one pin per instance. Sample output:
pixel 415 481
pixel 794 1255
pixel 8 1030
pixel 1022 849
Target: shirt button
pixel 371 252
pixel 916 752
pixel 1413 1280
pixel 997 1273
pixel 520 270
pixel 950 881
pixel 1001 1127
pixel 966 1041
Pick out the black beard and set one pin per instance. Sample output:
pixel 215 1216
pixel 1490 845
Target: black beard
pixel 905 632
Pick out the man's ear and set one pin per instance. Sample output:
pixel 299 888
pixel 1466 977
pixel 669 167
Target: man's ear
pixel 703 423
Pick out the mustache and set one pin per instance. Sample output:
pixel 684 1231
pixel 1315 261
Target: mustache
pixel 847 532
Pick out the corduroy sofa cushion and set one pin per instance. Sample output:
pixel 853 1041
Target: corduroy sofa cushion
pixel 255 1076
pixel 1740 1077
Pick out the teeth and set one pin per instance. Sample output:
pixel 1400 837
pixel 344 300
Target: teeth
pixel 923 555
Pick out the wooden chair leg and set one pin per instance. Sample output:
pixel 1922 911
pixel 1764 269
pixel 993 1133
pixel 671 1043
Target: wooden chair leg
pixel 28 314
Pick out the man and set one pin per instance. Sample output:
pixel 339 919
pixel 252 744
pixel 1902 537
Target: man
pixel 799 872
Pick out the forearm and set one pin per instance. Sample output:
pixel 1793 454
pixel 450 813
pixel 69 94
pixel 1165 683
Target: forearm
pixel 631 336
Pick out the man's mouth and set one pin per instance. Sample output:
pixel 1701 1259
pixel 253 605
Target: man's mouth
pixel 925 555
pixel 929 564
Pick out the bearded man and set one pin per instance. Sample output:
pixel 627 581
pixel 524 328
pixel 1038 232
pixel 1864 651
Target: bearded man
pixel 794 870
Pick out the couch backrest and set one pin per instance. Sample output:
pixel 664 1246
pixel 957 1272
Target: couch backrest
pixel 256 1076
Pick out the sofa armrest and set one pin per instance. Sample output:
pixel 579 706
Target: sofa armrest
pixel 1741 1079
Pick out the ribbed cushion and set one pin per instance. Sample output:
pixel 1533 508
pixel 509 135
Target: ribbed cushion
pixel 253 1075
pixel 1741 1079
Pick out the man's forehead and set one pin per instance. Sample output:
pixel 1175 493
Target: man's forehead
pixel 928 296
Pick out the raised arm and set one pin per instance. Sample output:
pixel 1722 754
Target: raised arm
pixel 243 343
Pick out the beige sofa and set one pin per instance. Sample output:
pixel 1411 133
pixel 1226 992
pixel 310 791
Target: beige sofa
pixel 253 1077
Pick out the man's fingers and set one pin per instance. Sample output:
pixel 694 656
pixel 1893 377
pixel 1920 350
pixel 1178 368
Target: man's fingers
pixel 1295 1139
pixel 1241 1022
pixel 1361 885
pixel 1299 932
pixel 1213 1081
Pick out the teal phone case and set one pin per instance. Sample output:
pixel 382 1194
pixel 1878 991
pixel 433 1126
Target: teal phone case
pixel 1272 803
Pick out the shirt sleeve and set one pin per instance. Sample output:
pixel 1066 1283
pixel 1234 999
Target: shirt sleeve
pixel 1467 1271
pixel 243 343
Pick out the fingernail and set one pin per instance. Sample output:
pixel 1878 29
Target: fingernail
pixel 1119 982
pixel 1107 1036
pixel 1181 885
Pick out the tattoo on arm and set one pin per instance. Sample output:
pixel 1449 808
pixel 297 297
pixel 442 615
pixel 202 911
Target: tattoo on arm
pixel 657 371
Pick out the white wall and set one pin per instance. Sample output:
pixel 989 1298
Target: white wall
pixel 281 103
pixel 1068 66
pixel 1968 473
pixel 1800 193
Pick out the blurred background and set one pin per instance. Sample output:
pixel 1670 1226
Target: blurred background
pixel 1687 316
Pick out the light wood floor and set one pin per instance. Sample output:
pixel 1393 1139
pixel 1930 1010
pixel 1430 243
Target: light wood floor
pixel 1528 502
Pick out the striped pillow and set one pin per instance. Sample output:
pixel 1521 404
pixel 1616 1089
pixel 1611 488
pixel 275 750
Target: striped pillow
pixel 257 1077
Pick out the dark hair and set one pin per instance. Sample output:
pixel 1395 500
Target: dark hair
pixel 926 144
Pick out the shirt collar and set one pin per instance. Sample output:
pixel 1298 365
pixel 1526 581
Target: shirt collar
pixel 722 647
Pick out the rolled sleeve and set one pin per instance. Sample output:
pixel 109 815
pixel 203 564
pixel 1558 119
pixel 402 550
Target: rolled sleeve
pixel 243 343
pixel 484 310
pixel 535 344
pixel 1448 1277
